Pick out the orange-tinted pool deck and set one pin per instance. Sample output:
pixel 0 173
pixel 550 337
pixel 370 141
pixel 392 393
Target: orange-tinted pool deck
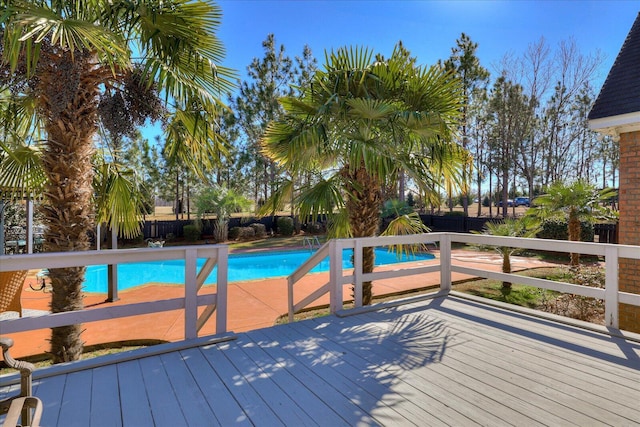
pixel 251 305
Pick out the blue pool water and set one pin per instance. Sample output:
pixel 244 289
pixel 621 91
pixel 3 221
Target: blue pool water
pixel 241 267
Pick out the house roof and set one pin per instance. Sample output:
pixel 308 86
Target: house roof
pixel 620 94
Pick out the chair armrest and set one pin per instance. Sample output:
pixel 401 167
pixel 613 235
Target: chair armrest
pixel 17 408
pixel 25 368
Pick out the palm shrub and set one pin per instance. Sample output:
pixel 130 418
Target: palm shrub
pixel 572 203
pixel 222 202
pixel 510 227
pixel 362 121
pixel 68 67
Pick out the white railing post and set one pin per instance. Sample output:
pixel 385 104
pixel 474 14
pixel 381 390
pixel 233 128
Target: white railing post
pixel 29 236
pixel 221 291
pixel 191 294
pixel 290 284
pixel 357 273
pixel 112 270
pixel 445 263
pixel 335 276
pixel 611 287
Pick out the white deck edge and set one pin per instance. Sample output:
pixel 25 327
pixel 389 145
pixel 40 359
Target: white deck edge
pixel 110 359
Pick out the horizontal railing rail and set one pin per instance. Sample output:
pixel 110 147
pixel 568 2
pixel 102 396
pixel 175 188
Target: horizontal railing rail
pixel 611 253
pixel 194 280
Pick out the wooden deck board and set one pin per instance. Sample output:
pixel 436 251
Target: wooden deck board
pixel 75 389
pixel 529 373
pixel 312 380
pixel 105 399
pixel 425 409
pixel 226 409
pixel 580 361
pixel 242 391
pixel 162 397
pixel 314 408
pixel 133 395
pixel 520 376
pixel 338 367
pixel 192 402
pixel 435 363
pixel 289 412
pixel 50 393
pixel 423 369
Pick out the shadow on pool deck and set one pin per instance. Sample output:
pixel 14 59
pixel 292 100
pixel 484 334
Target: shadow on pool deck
pixel 251 304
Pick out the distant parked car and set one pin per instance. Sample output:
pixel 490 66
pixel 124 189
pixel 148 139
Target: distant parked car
pixel 509 203
pixel 522 201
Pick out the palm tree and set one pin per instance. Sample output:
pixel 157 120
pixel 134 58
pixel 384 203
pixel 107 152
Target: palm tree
pixel 358 124
pixel 574 202
pixel 510 227
pixel 68 66
pixel 223 202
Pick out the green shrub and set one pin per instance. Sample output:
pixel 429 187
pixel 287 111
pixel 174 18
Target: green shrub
pixel 259 229
pixel 234 233
pixel 285 226
pixel 315 228
pixel 247 233
pixel 558 230
pixel 191 233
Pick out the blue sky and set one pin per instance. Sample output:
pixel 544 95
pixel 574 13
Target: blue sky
pixel 427 28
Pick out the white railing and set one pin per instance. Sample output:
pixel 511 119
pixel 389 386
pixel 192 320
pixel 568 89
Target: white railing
pixel 194 280
pixel 337 277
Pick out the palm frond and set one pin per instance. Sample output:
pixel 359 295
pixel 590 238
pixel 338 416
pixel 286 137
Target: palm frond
pixel 72 29
pixel 279 198
pixel 21 171
pixel 118 203
pixel 323 198
pixel 370 109
pixel 192 141
pixel 404 225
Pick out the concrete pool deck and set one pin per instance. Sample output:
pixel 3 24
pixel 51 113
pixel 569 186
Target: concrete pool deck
pixel 251 305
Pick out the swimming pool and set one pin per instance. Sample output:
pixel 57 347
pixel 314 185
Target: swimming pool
pixel 241 267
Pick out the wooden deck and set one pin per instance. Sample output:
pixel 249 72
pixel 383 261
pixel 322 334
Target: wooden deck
pixel 445 361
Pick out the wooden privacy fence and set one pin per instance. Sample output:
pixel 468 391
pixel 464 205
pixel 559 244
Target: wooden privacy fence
pixel 607 233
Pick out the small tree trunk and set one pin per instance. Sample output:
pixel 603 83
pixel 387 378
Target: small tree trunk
pixel 574 235
pixel 506 268
pixel 364 217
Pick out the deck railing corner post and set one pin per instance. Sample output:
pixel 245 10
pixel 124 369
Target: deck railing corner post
pixel 222 282
pixel 445 263
pixel 611 287
pixel 190 294
pixel 335 276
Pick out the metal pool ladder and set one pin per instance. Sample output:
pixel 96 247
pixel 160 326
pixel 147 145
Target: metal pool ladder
pixel 311 241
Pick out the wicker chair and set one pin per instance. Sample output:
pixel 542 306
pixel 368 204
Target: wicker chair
pixel 23 407
pixel 11 283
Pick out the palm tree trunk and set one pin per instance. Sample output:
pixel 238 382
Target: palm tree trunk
pixel 68 208
pixel 574 235
pixel 506 268
pixel 364 217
